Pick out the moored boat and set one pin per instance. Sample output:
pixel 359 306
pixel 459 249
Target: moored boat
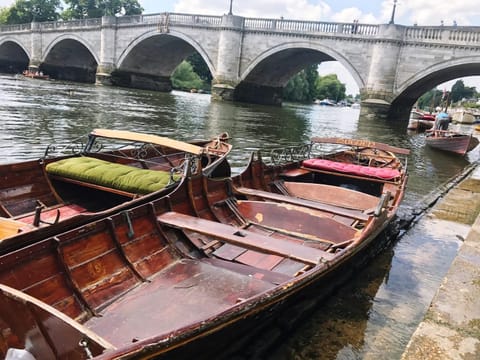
pixel 451 141
pixel 110 171
pixel 420 121
pixel 463 117
pixel 211 264
pixel 35 75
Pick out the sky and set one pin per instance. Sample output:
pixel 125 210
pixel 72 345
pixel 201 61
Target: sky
pixel 407 12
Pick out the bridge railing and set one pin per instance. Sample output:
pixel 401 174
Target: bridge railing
pixel 309 26
pixel 433 34
pixel 171 19
pixel 467 35
pixel 14 28
pixel 71 24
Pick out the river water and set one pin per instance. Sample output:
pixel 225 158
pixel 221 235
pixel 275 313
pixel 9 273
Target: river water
pixel 374 315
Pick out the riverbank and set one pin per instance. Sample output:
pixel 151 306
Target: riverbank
pixel 450 329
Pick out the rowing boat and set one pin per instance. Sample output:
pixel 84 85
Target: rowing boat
pixel 73 184
pixel 451 141
pixel 200 271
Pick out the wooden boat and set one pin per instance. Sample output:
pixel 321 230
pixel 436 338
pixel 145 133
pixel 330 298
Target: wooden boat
pixel 420 121
pixel 463 117
pixel 113 170
pixel 204 268
pixel 451 141
pixel 35 75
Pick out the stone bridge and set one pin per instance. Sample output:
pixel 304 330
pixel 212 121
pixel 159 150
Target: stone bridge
pixel 251 59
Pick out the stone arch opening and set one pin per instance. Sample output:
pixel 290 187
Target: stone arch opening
pixel 70 60
pixel 264 83
pixel 13 58
pixel 151 61
pixel 401 106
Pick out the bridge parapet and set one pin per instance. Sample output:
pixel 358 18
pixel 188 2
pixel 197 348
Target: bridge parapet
pixel 310 27
pixel 442 35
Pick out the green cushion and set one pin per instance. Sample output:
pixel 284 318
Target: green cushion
pixel 116 176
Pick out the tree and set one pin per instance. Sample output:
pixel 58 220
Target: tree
pixel 301 87
pixel 329 87
pixel 184 78
pixel 460 91
pixel 82 9
pixel 200 67
pixel 26 11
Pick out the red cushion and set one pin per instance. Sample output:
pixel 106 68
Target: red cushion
pixel 353 169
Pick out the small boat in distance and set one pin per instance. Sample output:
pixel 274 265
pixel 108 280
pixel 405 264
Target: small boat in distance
pixel 35 75
pixel 420 121
pixel 451 141
pixel 78 182
pixel 463 117
pixel 197 273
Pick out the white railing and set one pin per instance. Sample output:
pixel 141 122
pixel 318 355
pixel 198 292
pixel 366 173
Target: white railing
pixel 448 34
pixel 451 35
pixel 310 27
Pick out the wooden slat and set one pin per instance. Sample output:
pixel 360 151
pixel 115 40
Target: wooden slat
pixel 148 138
pixel 361 143
pixel 245 238
pixel 303 202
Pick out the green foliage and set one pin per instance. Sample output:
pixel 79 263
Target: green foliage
pixel 200 67
pixel 82 9
pixel 301 87
pixel 460 91
pixel 25 11
pixel 184 78
pixel 434 98
pixel 430 100
pixel 329 87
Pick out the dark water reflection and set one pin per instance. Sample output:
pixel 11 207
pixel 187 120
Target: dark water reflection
pixel 371 317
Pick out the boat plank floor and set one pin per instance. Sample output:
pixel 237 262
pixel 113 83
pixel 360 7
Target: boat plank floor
pixel 186 292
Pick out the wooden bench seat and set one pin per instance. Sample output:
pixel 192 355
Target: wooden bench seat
pixel 351 170
pixel 358 215
pixel 107 176
pixel 246 239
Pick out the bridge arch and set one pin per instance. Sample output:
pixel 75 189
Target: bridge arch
pixel 69 57
pixel 149 60
pixel 266 75
pixel 426 79
pixel 14 57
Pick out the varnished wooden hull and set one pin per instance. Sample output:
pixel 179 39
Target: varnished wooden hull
pixel 194 274
pixel 453 142
pixel 35 205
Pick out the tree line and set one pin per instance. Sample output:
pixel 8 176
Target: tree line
pixel 458 95
pixel 26 11
pixel 304 87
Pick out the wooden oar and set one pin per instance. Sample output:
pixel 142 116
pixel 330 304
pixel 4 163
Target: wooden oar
pixel 148 138
pixel 361 143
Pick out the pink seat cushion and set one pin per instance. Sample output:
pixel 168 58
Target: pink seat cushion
pixel 353 169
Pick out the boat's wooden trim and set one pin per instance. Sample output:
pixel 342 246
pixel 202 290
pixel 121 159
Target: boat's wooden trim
pixel 245 238
pixel 148 138
pixel 303 202
pixel 361 143
pixel 61 326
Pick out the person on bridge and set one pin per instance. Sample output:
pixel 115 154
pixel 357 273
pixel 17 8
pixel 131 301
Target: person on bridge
pixel 442 120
